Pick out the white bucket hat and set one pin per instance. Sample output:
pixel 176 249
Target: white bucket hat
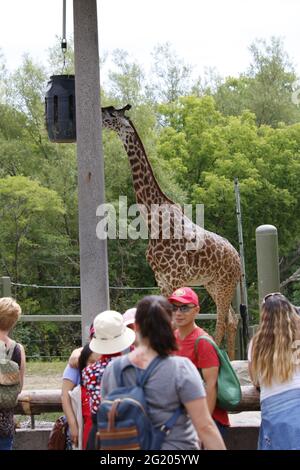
pixel 111 335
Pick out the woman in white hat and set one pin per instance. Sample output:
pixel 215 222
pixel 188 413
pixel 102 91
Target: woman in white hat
pixel 111 337
pixel 111 334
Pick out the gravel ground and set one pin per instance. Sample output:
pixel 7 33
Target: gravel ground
pixel 36 382
pixel 43 375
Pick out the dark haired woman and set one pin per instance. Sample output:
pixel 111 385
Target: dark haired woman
pixel 75 400
pixel 274 366
pixel 174 382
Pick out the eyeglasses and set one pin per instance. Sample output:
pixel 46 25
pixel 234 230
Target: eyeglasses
pixel 182 308
pixel 271 295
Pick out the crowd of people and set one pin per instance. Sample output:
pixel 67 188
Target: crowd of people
pixel 166 329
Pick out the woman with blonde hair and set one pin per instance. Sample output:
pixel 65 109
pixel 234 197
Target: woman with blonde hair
pixel 10 312
pixel 274 368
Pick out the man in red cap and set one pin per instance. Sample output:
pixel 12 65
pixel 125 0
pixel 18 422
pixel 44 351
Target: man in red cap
pixel 186 306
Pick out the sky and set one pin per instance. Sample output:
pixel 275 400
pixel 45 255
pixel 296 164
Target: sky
pixel 210 33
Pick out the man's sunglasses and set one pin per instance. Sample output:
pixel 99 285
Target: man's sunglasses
pixel 182 308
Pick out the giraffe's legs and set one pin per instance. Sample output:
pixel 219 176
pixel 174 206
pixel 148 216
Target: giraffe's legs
pixel 220 324
pixel 221 313
pixel 226 319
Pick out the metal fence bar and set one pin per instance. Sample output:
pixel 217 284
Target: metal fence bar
pixel 60 318
pixel 68 318
pixel 36 286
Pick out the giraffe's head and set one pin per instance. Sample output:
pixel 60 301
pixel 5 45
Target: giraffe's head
pixel 115 119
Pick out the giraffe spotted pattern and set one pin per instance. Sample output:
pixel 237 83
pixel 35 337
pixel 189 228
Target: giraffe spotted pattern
pixel 198 257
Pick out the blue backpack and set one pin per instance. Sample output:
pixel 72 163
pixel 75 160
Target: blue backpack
pixel 122 419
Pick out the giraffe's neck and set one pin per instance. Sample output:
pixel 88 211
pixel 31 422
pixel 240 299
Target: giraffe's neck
pixel 145 185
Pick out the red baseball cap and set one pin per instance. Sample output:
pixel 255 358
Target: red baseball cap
pixel 184 295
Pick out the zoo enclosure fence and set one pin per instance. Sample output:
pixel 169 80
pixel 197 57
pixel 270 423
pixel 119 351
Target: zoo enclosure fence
pixel 6 286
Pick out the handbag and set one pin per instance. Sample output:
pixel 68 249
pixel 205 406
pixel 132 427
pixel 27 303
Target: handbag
pixel 59 438
pixel 229 392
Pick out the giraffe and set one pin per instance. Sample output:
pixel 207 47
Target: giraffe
pixel 194 256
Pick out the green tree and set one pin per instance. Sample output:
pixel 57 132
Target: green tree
pixel 265 89
pixel 3 75
pixel 28 227
pixel 231 96
pixel 172 76
pixel 126 80
pixel 271 84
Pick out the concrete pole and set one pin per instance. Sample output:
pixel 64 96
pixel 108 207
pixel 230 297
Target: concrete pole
pixel 5 286
pixel 267 260
pixel 93 252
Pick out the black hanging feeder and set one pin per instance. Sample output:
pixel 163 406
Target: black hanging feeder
pixel 60 111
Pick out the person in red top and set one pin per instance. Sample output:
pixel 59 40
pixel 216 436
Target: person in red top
pixel 185 307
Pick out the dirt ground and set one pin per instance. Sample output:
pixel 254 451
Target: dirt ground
pixel 43 375
pixel 48 375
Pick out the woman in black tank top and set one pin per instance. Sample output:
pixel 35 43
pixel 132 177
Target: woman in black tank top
pixel 10 312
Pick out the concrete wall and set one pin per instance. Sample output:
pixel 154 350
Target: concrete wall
pixel 242 438
pixel 31 439
pixel 238 438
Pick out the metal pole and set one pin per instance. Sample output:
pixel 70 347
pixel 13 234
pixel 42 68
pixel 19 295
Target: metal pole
pixel 64 19
pixel 267 260
pixel 241 240
pixel 64 39
pixel 93 252
pixel 242 297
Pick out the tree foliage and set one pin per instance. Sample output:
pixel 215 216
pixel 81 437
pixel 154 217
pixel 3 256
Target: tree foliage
pixel 198 136
pixel 265 89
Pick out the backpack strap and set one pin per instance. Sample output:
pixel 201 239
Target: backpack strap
pixel 118 371
pixel 207 338
pixel 211 341
pixel 167 426
pixel 2 350
pixel 141 376
pixel 144 376
pixel 11 349
pixel 7 353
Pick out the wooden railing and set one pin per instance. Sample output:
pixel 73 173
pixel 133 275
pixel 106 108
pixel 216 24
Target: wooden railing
pixel 34 402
